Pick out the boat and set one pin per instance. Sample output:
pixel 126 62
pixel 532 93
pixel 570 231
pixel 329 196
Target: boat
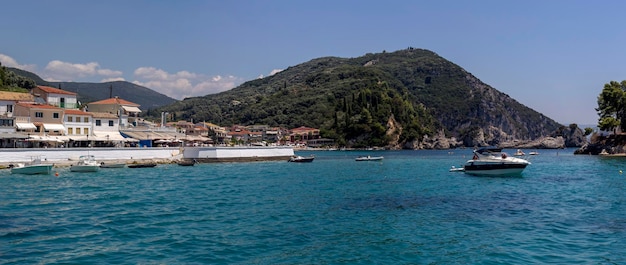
pixel 34 167
pixel 142 165
pixel 86 163
pixel 492 161
pixel 112 165
pixel 533 153
pixel 186 162
pixel 301 159
pixel 369 158
pixel 519 152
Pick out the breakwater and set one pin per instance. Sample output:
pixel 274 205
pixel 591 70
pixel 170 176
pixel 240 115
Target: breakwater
pixel 202 154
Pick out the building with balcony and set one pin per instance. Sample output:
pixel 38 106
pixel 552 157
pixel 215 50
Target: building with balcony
pixel 56 97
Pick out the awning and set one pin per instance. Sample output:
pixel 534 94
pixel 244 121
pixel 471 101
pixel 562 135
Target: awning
pixel 25 126
pixel 53 127
pixel 112 136
pixel 131 109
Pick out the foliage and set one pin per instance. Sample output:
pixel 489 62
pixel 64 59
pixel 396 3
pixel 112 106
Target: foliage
pixel 352 100
pixel 10 81
pixel 588 131
pixel 612 106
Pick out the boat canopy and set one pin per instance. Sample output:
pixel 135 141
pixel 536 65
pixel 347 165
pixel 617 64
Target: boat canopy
pixel 488 150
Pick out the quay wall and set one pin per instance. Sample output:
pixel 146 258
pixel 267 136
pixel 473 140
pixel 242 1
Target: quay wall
pixel 235 154
pixel 201 154
pixel 18 155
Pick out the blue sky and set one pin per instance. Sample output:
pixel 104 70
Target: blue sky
pixel 552 56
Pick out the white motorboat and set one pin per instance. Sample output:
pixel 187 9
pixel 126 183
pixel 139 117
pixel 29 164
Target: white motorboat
pixel 34 167
pixel 301 159
pixel 369 158
pixel 86 163
pixel 519 152
pixel 492 161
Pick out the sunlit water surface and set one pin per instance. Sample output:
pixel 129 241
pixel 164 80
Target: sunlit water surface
pixel 406 209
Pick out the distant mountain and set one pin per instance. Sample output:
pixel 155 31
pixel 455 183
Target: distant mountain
pixel 89 92
pixel 401 99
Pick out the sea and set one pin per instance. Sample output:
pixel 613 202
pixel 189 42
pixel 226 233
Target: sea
pixel 406 209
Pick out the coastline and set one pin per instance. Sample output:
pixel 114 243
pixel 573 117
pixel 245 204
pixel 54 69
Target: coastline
pixel 61 157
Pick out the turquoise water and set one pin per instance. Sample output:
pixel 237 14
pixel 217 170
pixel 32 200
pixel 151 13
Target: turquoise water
pixel 406 209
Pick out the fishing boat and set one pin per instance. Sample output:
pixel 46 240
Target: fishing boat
pixel 34 167
pixel 492 161
pixel 301 159
pixel 112 165
pixel 369 158
pixel 86 163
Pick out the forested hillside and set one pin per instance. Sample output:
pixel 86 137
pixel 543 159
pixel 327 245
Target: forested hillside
pixel 374 100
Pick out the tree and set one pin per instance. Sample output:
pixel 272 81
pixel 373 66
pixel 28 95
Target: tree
pixel 612 106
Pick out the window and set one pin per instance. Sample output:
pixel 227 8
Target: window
pixel 70 118
pixel 39 114
pixel 86 131
pixel 86 119
pixel 110 123
pixel 55 115
pixel 70 131
pixel 98 123
pixel 9 108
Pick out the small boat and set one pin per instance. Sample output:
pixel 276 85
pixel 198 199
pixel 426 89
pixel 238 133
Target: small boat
pixel 34 167
pixel 301 159
pixel 369 158
pixel 86 163
pixel 112 165
pixel 519 152
pixel 186 162
pixel 456 169
pixel 533 153
pixel 492 161
pixel 142 165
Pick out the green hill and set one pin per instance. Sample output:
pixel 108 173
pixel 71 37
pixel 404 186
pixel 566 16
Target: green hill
pixel 380 99
pixel 89 92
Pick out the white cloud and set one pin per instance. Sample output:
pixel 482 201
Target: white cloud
pixel 183 84
pixel 275 71
pixel 10 62
pixel 113 79
pixel 64 71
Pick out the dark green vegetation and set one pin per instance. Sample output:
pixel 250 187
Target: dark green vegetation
pixel 374 100
pixel 612 106
pixel 10 81
pixel 89 92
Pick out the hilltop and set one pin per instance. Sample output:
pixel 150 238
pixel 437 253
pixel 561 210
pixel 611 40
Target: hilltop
pixel 410 98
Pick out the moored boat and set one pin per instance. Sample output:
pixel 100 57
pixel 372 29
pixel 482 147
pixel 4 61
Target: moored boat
pixel 369 158
pixel 34 167
pixel 86 163
pixel 492 161
pixel 112 165
pixel 301 159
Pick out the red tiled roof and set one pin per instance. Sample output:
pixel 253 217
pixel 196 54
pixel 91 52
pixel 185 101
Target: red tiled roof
pixel 76 112
pixel 53 90
pixel 37 106
pixel 118 101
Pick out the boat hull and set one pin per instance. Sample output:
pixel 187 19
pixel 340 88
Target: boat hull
pixel 33 170
pixel 494 169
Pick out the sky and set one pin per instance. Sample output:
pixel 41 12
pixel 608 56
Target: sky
pixel 552 56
